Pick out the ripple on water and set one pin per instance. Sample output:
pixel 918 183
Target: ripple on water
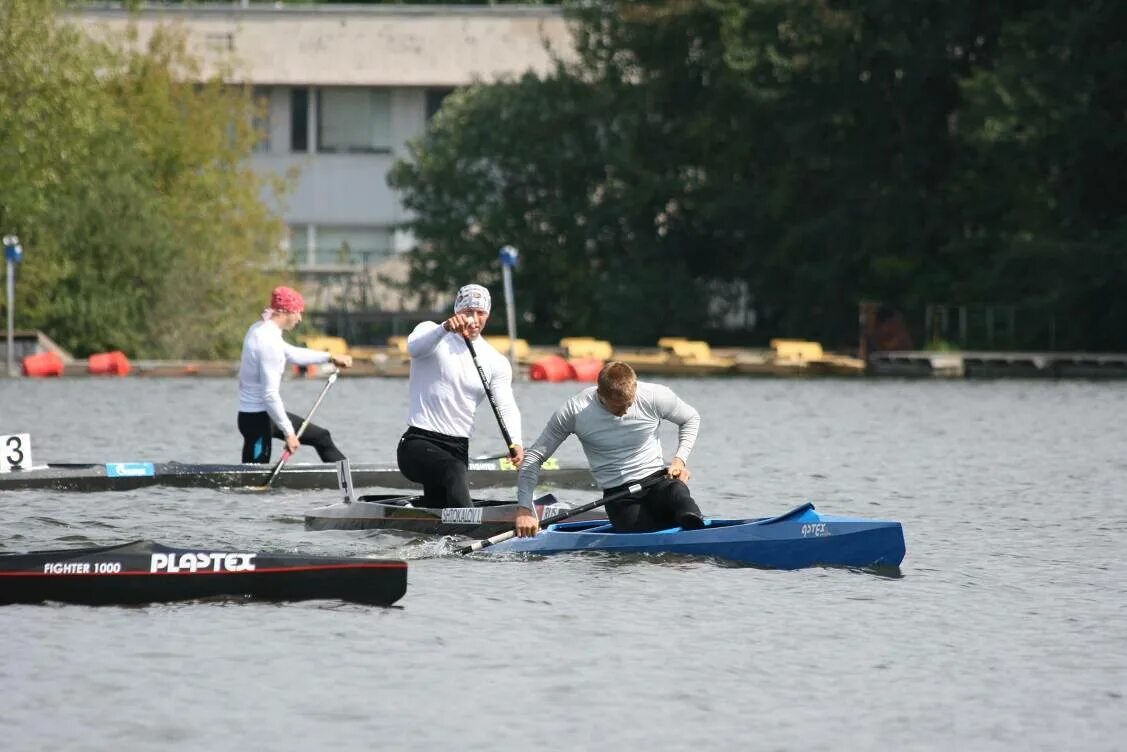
pixel 1003 629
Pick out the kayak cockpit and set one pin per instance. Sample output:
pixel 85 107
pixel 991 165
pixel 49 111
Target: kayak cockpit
pixel 803 512
pixel 603 527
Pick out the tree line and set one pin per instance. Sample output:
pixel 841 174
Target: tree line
pixel 126 176
pixel 723 169
pixel 745 170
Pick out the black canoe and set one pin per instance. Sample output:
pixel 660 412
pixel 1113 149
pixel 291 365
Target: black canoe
pixel 375 512
pixel 123 476
pixel 147 572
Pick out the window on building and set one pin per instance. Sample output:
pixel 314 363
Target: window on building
pixel 299 119
pixel 299 245
pixel 260 99
pixel 435 98
pixel 351 246
pixel 353 119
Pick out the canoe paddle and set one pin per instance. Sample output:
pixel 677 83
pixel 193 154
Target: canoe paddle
pixel 633 488
pixel 488 457
pixel 286 453
pixel 492 400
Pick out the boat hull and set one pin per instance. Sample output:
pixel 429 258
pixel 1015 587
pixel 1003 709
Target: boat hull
pixel 800 538
pixel 124 476
pixel 485 519
pixel 147 572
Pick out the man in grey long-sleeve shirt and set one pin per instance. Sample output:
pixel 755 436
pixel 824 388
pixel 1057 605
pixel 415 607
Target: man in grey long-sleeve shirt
pixel 617 424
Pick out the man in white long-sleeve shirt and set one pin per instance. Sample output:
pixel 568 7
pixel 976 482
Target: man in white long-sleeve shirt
pixel 617 424
pixel 445 393
pixel 262 415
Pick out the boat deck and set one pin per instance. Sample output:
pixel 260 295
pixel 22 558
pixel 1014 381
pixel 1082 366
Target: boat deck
pixel 124 476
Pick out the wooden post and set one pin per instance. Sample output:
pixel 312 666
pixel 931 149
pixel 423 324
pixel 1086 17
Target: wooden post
pixel 865 323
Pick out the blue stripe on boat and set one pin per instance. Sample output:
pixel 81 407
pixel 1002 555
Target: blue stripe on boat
pixel 130 469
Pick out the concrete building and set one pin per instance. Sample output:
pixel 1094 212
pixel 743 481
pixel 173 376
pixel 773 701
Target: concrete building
pixel 347 87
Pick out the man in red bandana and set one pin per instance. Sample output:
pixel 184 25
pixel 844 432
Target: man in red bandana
pixel 265 355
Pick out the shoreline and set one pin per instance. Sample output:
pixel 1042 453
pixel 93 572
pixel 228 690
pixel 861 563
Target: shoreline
pixel 726 363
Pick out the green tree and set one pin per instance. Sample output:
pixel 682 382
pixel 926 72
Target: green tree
pixel 800 154
pixel 551 167
pixel 131 189
pixel 1044 190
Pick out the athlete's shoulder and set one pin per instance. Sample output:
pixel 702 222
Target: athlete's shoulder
pixel 651 392
pixel 484 347
pixel 650 387
pixel 263 330
pixel 424 327
pixel 487 353
pixel 581 400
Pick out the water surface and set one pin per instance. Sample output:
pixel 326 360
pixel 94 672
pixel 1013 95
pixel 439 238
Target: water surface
pixel 1006 630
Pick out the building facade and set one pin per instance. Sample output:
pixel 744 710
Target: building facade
pixel 347 87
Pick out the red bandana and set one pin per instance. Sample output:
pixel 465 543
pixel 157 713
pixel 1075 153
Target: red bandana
pixel 287 299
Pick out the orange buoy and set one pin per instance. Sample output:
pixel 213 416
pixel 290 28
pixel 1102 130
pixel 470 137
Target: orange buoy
pixel 109 364
pixel 43 364
pixel 551 368
pixel 586 369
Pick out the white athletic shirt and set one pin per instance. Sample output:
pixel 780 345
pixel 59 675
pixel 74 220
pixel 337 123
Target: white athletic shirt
pixel 260 373
pixel 445 387
pixel 619 449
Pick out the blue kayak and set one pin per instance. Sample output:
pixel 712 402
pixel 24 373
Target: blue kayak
pixel 800 538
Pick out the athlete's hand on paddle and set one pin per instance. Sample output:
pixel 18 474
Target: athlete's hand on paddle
pixel 527 524
pixel 516 454
pixel 341 361
pixel 678 470
pixel 293 443
pixel 460 323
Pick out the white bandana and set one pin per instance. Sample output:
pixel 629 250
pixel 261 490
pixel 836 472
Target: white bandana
pixel 472 296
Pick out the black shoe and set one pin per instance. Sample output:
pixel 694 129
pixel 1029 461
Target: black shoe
pixel 691 521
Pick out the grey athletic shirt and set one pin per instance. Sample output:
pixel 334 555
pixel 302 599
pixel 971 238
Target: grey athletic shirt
pixel 619 450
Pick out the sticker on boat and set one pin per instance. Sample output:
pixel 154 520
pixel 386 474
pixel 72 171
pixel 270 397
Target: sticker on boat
pixel 130 469
pixel 66 567
pixel 553 509
pixel 82 567
pixel 462 515
pixel 202 562
pixel 15 452
pixel 814 530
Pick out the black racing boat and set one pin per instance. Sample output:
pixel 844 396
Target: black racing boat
pixel 147 572
pixel 404 513
pixel 123 476
pixel 484 519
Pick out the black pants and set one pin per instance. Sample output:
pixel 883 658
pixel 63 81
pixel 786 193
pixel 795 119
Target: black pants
pixel 439 463
pixel 655 507
pixel 257 430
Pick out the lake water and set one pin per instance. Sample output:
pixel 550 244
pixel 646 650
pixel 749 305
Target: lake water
pixel 1007 629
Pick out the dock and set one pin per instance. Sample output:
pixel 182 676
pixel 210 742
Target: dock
pixel 672 357
pixel 992 365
